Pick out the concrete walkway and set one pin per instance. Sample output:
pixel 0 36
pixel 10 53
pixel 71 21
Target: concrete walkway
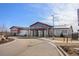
pixel 28 47
pixel 59 41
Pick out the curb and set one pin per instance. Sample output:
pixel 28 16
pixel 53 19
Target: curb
pixel 63 52
pixel 59 49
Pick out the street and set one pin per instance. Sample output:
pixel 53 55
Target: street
pixel 28 47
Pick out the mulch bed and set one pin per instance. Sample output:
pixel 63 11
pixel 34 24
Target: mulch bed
pixel 6 41
pixel 70 50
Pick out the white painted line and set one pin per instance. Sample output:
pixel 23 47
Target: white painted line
pixel 63 51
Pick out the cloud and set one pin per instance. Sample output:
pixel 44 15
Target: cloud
pixel 64 14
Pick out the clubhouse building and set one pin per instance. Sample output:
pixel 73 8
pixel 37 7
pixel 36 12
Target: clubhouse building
pixel 40 29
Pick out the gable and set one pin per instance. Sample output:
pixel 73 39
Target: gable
pixel 13 27
pixel 40 25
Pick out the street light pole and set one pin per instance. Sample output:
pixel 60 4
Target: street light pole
pixel 53 25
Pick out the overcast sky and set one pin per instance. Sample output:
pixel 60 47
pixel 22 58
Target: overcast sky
pixel 27 14
pixel 64 14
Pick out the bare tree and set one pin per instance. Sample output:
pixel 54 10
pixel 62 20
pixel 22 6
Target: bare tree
pixel 3 32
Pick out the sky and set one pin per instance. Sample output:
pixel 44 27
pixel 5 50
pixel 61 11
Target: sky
pixel 25 14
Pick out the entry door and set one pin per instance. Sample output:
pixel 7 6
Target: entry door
pixel 36 33
pixel 42 33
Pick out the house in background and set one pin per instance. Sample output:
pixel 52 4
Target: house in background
pixel 16 30
pixel 40 29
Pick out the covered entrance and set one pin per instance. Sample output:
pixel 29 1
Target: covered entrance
pixel 39 29
pixel 37 32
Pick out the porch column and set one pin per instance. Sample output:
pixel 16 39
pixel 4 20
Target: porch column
pixel 39 33
pixel 45 33
pixel 33 34
pixel 28 33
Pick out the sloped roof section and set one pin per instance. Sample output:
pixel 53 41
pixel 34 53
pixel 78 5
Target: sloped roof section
pixel 61 26
pixel 40 24
pixel 22 28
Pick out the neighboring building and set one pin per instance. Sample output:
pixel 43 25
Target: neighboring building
pixel 15 30
pixel 39 29
pixel 66 30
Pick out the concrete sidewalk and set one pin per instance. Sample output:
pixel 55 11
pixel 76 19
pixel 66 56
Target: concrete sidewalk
pixel 60 41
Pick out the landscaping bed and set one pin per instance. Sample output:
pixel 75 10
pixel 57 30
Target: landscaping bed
pixel 6 41
pixel 70 50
